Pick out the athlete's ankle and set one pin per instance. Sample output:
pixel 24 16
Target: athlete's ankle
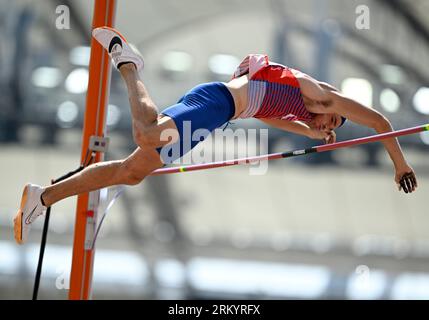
pixel 44 199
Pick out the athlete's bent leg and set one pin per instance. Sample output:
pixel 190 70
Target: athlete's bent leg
pixel 143 109
pixel 35 199
pixel 129 62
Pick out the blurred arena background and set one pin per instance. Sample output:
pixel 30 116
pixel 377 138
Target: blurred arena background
pixel 328 226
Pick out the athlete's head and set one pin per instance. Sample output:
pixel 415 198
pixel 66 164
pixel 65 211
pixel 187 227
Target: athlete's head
pixel 326 121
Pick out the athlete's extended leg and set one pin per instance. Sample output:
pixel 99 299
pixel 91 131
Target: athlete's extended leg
pixel 130 171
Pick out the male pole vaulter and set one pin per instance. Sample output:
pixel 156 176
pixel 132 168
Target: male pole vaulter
pixel 280 96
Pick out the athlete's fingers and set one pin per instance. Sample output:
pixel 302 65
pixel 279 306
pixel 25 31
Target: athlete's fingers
pixel 403 185
pixel 407 180
pixel 334 137
pixel 408 183
pixel 326 139
pixel 413 179
pixel 330 137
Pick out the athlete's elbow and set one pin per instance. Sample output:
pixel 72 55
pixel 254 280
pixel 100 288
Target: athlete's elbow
pixel 381 124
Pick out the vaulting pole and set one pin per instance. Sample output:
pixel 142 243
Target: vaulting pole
pixel 288 154
pixel 94 126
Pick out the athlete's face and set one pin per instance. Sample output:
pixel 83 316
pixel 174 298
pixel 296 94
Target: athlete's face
pixel 325 122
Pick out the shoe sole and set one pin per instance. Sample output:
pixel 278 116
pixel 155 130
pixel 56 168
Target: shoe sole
pixel 17 228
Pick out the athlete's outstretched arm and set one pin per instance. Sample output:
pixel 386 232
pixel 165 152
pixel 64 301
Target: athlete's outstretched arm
pixel 371 118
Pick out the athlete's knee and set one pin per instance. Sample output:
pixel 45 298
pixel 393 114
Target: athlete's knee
pixel 145 136
pixel 138 165
pixel 131 173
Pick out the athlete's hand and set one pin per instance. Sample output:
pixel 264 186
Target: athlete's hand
pixel 405 178
pixel 326 136
pixel 331 137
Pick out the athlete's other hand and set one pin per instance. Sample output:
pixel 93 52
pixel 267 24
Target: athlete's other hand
pixel 331 137
pixel 405 179
pixel 326 136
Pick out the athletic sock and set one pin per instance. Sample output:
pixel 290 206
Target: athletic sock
pixel 123 63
